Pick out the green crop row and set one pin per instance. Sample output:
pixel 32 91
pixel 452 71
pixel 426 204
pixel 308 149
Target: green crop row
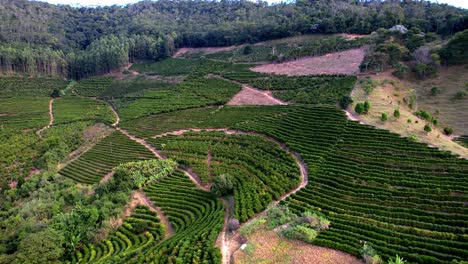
pixel 19 86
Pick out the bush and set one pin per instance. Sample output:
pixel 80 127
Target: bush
pixel 146 171
pixel 299 232
pixel 222 185
pixel 396 113
pixel 248 50
pixel 384 117
pixel 448 131
pixel 345 101
pixel 425 115
pixel 460 95
pixel 359 108
pixel 427 128
pixel 279 215
pixel 367 107
pixel 435 91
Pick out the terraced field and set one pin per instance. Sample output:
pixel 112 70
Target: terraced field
pixel 262 172
pixel 24 112
pixel 373 185
pixel 111 151
pixel 93 87
pixel 18 86
pixel 141 230
pixel 74 108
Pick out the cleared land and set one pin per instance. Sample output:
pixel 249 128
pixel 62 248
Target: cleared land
pixel 344 62
pixel 266 247
pixel 251 96
pixel 390 95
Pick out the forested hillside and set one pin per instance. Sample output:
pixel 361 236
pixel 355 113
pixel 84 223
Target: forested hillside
pixel 40 38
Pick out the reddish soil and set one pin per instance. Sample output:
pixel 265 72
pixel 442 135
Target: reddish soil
pixel 252 96
pixel 344 62
pixel 208 50
pixel 269 248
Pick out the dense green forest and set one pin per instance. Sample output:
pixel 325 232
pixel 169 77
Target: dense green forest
pixel 40 38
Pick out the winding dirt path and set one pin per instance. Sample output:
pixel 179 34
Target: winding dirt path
pixel 223 240
pixel 51 117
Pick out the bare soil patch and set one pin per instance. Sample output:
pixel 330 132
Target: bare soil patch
pixel 267 247
pixel 252 96
pixel 207 50
pixel 388 96
pixel 344 62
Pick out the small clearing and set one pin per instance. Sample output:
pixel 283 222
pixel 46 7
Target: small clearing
pixel 252 96
pixel 266 247
pixel 344 62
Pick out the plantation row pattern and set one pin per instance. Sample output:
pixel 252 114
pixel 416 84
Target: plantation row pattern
pixel 111 151
pixel 262 171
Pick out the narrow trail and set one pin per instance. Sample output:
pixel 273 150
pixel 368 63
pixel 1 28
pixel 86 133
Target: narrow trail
pixel 223 242
pixel 143 199
pixel 51 117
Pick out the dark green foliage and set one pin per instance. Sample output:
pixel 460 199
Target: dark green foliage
pixel 222 185
pixel 359 108
pixel 435 91
pixel 448 131
pixel 248 50
pixel 396 113
pixel 56 93
pixel 41 247
pixel 425 115
pixel 463 140
pixel 168 67
pixel 345 101
pixel 456 50
pixel 367 107
pixel 384 117
pixel 427 128
pixel 93 87
pixel 460 95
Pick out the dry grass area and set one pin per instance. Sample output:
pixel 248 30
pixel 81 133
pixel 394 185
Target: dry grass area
pixel 251 96
pixel 207 50
pixel 450 111
pixel 344 62
pixel 265 247
pixel 387 97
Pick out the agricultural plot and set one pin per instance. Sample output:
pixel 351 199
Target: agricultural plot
pixel 141 230
pixel 325 89
pixel 261 170
pixel 399 196
pixel 73 108
pixel 196 216
pixel 17 86
pixel 93 87
pixel 132 88
pixel 24 112
pixel 377 187
pixel 167 67
pixel 226 116
pixel 111 151
pixel 190 94
pixel 462 140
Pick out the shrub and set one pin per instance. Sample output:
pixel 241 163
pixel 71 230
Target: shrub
pixel 56 93
pixel 435 122
pixel 345 101
pixel 299 232
pixel 146 171
pixel 222 185
pixel 367 106
pixel 435 91
pixel 424 114
pixel 397 260
pixel 359 108
pixel 248 50
pixel 279 215
pixel 460 95
pixel 427 128
pixel 396 113
pixel 384 117
pixel 370 255
pixel 448 131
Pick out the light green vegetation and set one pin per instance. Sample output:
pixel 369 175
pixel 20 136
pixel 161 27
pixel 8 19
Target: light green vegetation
pixel 167 67
pixel 108 153
pixel 74 108
pixel 19 86
pixel 24 112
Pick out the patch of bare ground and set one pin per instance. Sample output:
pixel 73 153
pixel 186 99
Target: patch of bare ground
pixel 206 50
pixel 140 198
pixel 352 36
pixel 123 73
pixel 388 96
pixel 266 246
pixel 91 136
pixel 252 96
pixel 51 117
pixel 343 62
